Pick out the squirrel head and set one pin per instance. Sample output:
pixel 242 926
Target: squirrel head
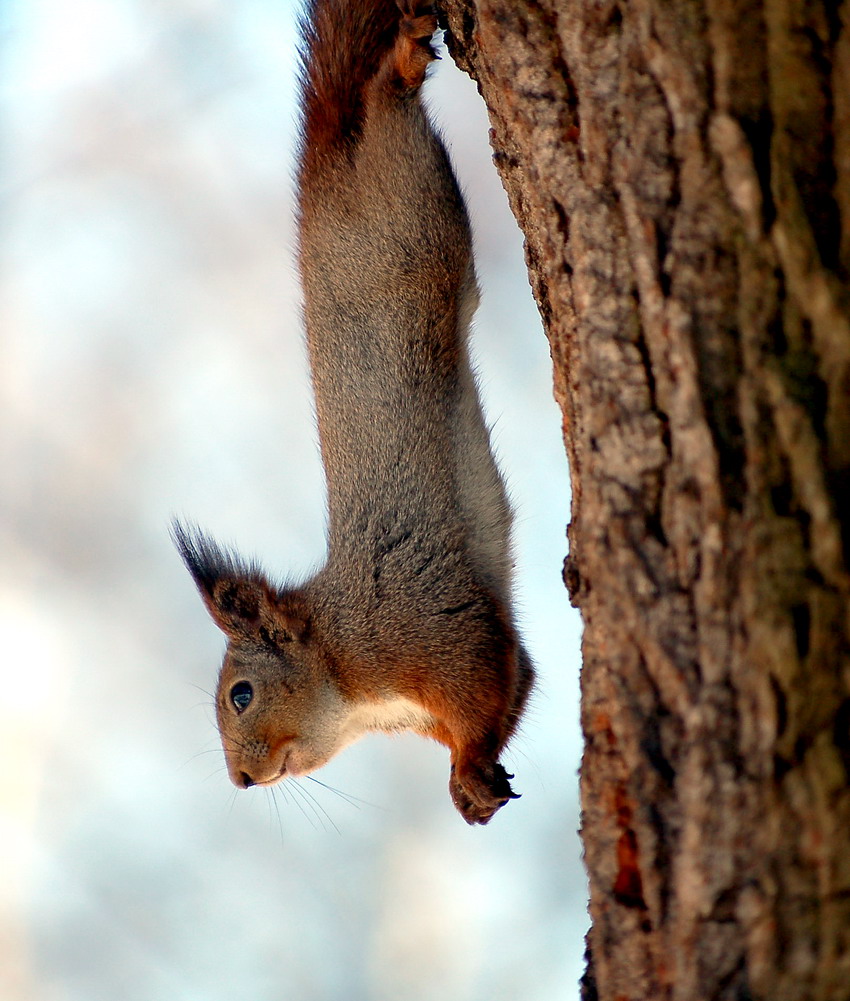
pixel 279 712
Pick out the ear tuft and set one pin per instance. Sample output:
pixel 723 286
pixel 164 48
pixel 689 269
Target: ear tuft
pixel 205 560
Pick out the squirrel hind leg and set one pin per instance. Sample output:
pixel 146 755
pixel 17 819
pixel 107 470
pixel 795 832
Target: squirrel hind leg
pixel 413 51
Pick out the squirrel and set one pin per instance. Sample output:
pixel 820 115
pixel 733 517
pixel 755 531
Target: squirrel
pixel 408 625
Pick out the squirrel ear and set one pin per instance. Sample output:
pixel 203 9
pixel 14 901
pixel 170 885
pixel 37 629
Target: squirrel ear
pixel 237 595
pixel 246 607
pixel 237 605
pixel 240 600
pixel 288 618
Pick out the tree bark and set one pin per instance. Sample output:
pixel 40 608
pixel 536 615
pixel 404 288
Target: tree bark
pixel 681 171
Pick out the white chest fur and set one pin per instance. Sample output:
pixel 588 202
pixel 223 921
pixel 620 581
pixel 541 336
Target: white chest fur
pixel 391 716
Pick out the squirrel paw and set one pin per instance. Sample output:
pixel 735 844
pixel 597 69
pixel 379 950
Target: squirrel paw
pixel 479 790
pixel 413 50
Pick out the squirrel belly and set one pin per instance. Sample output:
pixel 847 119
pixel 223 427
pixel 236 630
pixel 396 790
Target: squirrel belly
pixel 409 624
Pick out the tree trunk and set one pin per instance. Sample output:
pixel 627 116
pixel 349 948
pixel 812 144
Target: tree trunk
pixel 681 170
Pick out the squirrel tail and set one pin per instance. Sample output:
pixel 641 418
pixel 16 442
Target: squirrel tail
pixel 344 42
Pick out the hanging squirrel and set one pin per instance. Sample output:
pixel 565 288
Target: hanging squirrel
pixel 409 624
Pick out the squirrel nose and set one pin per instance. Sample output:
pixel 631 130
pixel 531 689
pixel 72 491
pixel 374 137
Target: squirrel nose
pixel 247 781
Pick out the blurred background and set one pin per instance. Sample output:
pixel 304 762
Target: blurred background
pixel 152 365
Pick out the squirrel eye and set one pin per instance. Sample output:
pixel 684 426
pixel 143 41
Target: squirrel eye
pixel 241 695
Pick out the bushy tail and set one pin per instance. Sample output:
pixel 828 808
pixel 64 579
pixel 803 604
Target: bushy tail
pixel 344 44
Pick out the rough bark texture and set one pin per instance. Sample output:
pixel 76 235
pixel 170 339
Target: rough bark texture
pixel 681 170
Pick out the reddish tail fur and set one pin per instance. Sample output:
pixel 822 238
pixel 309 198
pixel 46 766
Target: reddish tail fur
pixel 345 43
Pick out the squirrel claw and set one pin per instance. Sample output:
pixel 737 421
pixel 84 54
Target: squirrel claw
pixel 478 791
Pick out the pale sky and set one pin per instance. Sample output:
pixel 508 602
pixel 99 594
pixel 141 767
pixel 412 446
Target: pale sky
pixel 153 365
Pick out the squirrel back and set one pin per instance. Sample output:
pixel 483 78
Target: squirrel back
pixel 409 623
